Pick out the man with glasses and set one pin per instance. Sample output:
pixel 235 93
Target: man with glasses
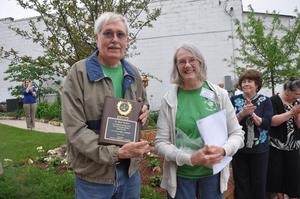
pixel 103 171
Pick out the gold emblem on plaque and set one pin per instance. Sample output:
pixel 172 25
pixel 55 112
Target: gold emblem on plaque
pixel 124 108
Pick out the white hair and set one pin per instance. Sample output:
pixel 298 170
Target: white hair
pixel 108 17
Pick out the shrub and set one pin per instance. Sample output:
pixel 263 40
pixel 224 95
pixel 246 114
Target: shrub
pixel 153 160
pixel 154 164
pixel 155 180
pixel 17 114
pixel 148 192
pixel 152 120
pixel 48 111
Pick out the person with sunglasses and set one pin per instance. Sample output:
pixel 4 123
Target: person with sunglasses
pixel 103 171
pixel 284 158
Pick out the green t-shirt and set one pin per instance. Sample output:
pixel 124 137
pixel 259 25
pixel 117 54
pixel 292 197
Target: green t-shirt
pixel 116 75
pixel 192 106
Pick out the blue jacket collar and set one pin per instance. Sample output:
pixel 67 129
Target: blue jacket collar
pixel 95 72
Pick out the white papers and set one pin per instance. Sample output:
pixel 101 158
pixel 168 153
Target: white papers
pixel 213 130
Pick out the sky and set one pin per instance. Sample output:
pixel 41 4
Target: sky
pixel 10 8
pixel 284 7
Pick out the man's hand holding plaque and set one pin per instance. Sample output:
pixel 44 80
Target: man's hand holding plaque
pixel 134 149
pixel 120 121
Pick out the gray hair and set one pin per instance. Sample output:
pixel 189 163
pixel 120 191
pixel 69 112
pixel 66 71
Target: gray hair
pixel 292 84
pixel 175 76
pixel 108 17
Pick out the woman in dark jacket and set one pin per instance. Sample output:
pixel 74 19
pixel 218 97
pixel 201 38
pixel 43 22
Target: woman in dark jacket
pixel 254 112
pixel 284 160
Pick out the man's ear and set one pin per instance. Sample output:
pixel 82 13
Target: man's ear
pixel 129 41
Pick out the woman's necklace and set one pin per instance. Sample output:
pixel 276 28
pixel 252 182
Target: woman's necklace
pixel 283 99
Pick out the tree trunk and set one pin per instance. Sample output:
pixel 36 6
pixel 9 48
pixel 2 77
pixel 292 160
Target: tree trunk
pixel 272 82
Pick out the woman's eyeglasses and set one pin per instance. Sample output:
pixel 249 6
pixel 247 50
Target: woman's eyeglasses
pixel 183 62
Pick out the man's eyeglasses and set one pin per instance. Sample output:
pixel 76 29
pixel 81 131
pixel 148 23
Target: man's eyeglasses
pixel 110 35
pixel 183 62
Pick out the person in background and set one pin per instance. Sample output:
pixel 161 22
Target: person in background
pixel 29 103
pixel 187 171
pixel 103 171
pixel 254 112
pixel 284 160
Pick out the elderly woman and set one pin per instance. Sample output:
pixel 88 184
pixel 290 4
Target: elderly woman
pixel 187 159
pixel 254 112
pixel 284 159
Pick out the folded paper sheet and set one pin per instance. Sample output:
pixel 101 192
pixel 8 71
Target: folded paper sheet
pixel 213 130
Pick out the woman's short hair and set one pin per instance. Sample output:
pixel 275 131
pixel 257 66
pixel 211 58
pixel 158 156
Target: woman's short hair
pixel 175 76
pixel 108 17
pixel 251 74
pixel 292 84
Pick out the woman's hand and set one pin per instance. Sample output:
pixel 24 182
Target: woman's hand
pixel 207 156
pixel 295 110
pixel 297 114
pixel 248 109
pixel 257 120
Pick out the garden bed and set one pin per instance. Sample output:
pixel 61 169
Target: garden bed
pixel 151 167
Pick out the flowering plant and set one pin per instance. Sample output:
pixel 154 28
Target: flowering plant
pixel 53 158
pixel 154 164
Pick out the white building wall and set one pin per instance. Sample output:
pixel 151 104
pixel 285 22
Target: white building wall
pixel 9 40
pixel 205 23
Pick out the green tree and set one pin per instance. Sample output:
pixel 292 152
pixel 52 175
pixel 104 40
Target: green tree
pixel 273 49
pixel 25 67
pixel 68 34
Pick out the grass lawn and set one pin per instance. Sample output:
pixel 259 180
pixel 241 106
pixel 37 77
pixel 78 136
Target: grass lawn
pixel 21 180
pixel 20 144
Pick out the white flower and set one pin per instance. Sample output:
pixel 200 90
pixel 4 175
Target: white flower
pixel 30 161
pixel 64 161
pixel 40 149
pixel 7 160
pixel 47 159
pixel 51 152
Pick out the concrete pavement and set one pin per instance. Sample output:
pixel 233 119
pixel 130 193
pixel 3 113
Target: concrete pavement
pixel 39 126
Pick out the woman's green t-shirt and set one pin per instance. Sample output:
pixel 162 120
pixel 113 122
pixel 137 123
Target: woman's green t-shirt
pixel 193 105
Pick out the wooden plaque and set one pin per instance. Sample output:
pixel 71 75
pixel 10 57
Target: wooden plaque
pixel 119 122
